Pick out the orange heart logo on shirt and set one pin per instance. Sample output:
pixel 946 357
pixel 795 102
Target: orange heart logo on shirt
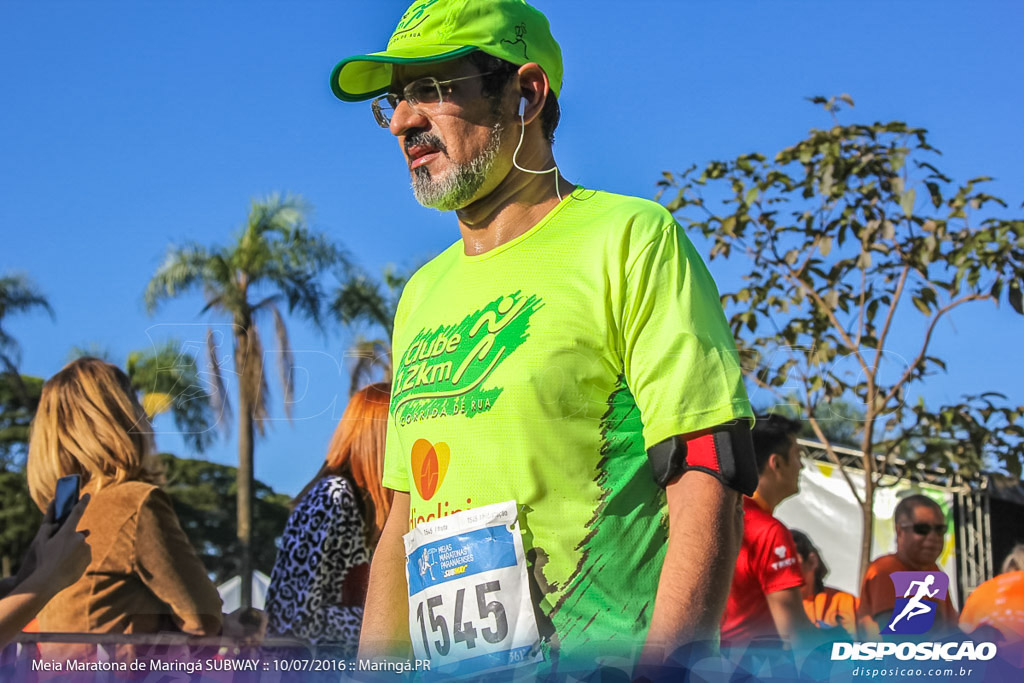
pixel 429 465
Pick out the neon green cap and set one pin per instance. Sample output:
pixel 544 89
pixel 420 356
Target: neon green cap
pixel 439 30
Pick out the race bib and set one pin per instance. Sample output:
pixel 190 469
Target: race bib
pixel 469 599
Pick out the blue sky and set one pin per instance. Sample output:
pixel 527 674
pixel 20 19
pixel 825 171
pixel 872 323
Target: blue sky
pixel 127 126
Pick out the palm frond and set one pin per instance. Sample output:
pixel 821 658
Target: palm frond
pixel 268 302
pixel 168 378
pixel 361 300
pixel 17 294
pixel 219 396
pixel 285 361
pixel 91 350
pixel 182 268
pixel 372 362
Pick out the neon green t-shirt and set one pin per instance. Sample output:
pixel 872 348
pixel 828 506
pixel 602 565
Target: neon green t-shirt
pixel 540 372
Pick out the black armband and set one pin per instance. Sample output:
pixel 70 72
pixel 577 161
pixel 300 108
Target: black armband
pixel 726 452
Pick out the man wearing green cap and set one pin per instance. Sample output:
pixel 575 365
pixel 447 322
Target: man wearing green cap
pixel 569 353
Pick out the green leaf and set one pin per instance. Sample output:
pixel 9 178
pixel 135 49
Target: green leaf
pixel 907 202
pixel 751 195
pixel 1015 297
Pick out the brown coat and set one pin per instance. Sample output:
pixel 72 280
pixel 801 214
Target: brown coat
pixel 144 577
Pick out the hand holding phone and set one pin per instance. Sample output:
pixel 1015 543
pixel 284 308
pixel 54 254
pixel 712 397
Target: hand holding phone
pixel 68 489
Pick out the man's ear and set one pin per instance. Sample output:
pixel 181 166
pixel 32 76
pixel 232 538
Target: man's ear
pixel 534 88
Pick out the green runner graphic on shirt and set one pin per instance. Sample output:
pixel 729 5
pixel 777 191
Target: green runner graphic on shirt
pixel 628 496
pixel 444 371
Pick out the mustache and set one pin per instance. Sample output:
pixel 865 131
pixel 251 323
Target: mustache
pixel 424 139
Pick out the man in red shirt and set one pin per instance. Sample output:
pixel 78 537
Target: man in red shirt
pixel 765 599
pixel 920 533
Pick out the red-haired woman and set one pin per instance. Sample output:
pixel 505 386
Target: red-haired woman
pixel 319 580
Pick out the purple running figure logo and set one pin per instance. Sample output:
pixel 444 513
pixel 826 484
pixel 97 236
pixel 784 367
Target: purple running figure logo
pixel 917 600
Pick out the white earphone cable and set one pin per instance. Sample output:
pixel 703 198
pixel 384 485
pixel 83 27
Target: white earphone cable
pixel 522 134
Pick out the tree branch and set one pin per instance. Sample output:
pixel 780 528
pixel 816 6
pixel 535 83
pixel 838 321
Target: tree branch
pixel 832 456
pixel 927 340
pixel 888 318
pixel 813 294
pixel 861 307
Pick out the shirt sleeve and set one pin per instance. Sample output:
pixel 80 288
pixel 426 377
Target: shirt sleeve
pixel 679 354
pixel 877 595
pixel 167 563
pixel 396 460
pixel 777 565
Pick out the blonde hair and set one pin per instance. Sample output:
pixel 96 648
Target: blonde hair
pixel 89 422
pixel 357 451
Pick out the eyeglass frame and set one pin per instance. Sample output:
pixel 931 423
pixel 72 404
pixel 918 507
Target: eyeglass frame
pixel 940 529
pixel 385 121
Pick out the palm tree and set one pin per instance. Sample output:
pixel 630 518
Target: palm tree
pixel 167 380
pixel 17 294
pixel 276 257
pixel 365 300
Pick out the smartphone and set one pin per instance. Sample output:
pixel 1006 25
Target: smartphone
pixel 66 497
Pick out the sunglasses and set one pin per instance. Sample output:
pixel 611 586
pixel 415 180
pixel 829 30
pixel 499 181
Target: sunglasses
pixel 923 529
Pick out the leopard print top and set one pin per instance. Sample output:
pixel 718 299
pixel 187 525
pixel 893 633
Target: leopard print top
pixel 322 541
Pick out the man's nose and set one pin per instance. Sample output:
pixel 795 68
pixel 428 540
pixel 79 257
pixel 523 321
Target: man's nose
pixel 406 117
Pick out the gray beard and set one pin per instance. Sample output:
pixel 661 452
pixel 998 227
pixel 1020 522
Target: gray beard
pixel 459 185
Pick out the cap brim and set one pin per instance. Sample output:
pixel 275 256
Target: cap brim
pixel 364 76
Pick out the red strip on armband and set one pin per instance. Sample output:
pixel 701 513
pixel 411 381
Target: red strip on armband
pixel 701 452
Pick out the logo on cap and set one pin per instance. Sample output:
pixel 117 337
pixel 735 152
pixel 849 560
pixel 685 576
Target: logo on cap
pixel 520 32
pixel 413 17
pixel 921 592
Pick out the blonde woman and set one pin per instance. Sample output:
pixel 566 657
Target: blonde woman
pixel 144 575
pixel 319 580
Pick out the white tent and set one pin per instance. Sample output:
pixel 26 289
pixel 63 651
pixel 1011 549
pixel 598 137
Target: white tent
pixel 231 592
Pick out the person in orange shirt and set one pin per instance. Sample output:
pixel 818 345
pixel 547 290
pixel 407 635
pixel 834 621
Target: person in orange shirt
pixel 999 602
pixel 920 530
pixel 826 607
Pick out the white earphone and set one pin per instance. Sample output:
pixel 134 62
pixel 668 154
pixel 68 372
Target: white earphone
pixel 522 133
